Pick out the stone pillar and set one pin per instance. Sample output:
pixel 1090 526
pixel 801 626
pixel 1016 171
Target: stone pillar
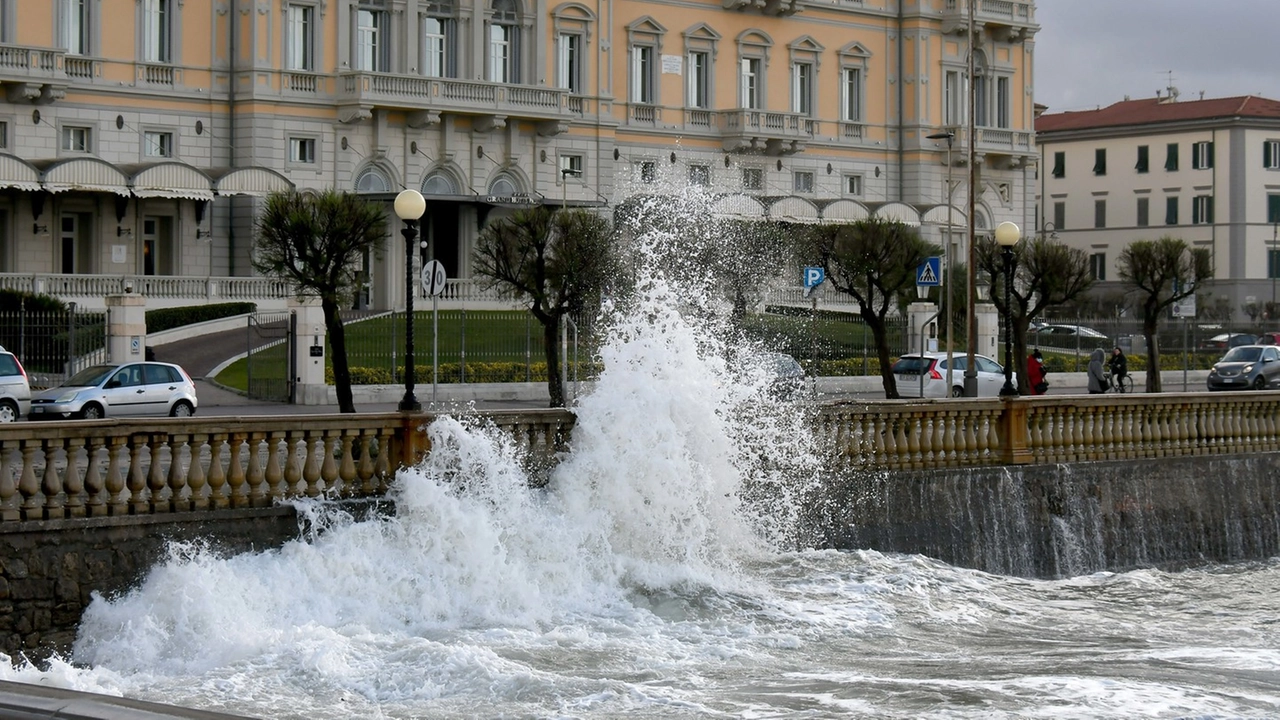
pixel 922 319
pixel 126 327
pixel 989 331
pixel 310 388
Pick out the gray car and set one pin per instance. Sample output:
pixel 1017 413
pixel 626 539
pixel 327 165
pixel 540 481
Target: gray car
pixel 121 390
pixel 15 388
pixel 1247 367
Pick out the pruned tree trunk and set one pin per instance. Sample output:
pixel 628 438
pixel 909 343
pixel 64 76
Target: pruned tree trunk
pixel 551 343
pixel 1153 353
pixel 338 349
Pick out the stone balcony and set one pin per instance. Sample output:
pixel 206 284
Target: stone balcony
pixel 745 130
pixel 425 98
pixel 32 74
pixel 1007 20
pixel 998 148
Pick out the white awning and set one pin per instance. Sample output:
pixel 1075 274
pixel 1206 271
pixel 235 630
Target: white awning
pixel 249 181
pixel 794 210
pixel 86 174
pixel 170 179
pixel 845 211
pixel 900 212
pixel 737 207
pixel 18 174
pixel 938 216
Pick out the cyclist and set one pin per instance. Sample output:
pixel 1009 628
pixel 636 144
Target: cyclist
pixel 1118 365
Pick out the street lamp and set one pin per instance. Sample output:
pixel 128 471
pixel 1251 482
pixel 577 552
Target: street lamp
pixel 950 137
pixel 1007 235
pixel 1049 230
pixel 409 206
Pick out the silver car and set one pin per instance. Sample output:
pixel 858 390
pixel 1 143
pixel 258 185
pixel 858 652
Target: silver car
pixel 915 373
pixel 122 390
pixel 1246 367
pixel 15 389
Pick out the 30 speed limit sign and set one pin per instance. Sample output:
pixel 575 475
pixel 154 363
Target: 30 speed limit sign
pixel 433 278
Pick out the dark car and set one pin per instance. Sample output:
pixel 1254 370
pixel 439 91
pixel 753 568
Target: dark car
pixel 1247 367
pixel 1226 341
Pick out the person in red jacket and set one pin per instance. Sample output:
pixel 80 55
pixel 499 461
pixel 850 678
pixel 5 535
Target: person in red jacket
pixel 1036 373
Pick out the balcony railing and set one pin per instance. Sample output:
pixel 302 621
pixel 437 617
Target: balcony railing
pixel 988 13
pixel 153 74
pixel 18 62
pixel 300 82
pixel 415 92
pixel 82 68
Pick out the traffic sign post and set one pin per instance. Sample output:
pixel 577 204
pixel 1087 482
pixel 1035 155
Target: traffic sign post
pixel 813 277
pixel 434 279
pixel 929 273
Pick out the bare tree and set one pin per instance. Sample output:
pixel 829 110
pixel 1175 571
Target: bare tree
pixel 558 261
pixel 316 241
pixel 1045 273
pixel 1161 272
pixel 875 262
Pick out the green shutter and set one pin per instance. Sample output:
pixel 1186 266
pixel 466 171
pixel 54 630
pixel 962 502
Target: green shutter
pixel 1171 159
pixel 1210 165
pixel 1059 164
pixel 1273 209
pixel 1171 211
pixel 1143 161
pixel 1267 160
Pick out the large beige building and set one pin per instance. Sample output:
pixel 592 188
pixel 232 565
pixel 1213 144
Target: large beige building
pixel 1205 171
pixel 136 134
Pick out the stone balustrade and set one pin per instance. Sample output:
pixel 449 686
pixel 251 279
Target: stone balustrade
pixel 134 467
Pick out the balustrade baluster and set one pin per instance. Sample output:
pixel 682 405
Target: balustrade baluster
pixel 911 428
pixel 365 468
pixel 293 465
pixel 74 482
pixel 382 463
pixel 177 475
pixel 347 469
pixel 8 485
pixel 235 472
pixel 195 472
pixel 28 484
pixel 117 502
pixel 156 480
pixel 51 484
pixel 273 474
pixel 219 489
pixel 93 480
pixel 137 479
pixel 256 477
pixel 329 468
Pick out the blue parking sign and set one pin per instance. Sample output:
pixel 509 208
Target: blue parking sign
pixel 813 276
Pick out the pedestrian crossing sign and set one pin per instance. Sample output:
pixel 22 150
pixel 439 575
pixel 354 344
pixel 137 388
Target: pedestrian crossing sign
pixel 929 274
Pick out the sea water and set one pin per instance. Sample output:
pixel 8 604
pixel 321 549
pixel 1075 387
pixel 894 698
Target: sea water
pixel 662 573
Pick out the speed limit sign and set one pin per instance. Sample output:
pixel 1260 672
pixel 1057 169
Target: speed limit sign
pixel 433 278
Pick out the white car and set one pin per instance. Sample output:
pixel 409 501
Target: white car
pixel 928 372
pixel 145 388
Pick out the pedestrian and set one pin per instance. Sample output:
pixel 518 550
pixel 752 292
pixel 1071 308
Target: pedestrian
pixel 1097 372
pixel 1036 373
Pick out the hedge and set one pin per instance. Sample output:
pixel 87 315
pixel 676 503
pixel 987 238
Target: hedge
pixel 169 318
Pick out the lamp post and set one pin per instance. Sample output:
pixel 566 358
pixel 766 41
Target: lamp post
pixel 950 137
pixel 1007 235
pixel 409 207
pixel 971 318
pixel 1271 264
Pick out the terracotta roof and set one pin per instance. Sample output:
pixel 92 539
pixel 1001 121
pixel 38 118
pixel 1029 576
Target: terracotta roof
pixel 1149 111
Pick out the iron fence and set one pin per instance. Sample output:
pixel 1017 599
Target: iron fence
pixel 269 365
pixel 54 344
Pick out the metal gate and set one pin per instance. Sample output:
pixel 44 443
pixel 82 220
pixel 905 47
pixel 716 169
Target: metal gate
pixel 54 343
pixel 271 365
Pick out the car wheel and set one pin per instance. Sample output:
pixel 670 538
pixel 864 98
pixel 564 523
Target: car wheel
pixel 1259 383
pixel 182 408
pixel 8 411
pixel 957 391
pixel 92 412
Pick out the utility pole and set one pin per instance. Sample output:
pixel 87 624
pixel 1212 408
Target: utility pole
pixel 971 321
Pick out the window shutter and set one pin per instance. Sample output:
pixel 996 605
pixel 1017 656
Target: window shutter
pixel 1171 159
pixel 1273 209
pixel 1195 156
pixel 1267 160
pixel 1208 201
pixel 1209 150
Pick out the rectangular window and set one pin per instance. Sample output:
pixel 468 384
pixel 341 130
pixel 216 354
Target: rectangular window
pixel 1100 161
pixel 1201 155
pixel 1171 157
pixel 752 179
pixel 1273 263
pixel 371 35
pixel 157 39
pixel 571 166
pixel 157 144
pixel 1003 102
pixel 301 50
pixel 802 88
pixel 1202 210
pixel 802 181
pixel 1060 215
pixel 1059 164
pixel 4 134
pixel 570 66
pixel 1098 266
pixel 77 139
pixel 642 74
pixel 853 185
pixel 1144 159
pixel 1144 212
pixel 952 99
pixel 502 53
pixel 700 175
pixel 1099 213
pixel 648 172
pixel 302 150
pixel 1171 211
pixel 699 80
pixel 751 90
pixel 1273 209
pixel 852 100
pixel 74 30
pixel 434 47
pixel 980 101
pixel 1271 155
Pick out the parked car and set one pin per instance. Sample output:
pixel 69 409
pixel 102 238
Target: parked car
pixel 1269 338
pixel 1068 336
pixel 15 388
pixel 120 390
pixel 788 376
pixel 1246 367
pixel 1226 341
pixel 910 368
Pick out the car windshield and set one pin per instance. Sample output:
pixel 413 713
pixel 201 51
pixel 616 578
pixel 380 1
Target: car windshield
pixel 912 365
pixel 1243 354
pixel 89 376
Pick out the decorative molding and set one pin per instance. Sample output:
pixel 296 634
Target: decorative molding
pixel 422 118
pixel 350 114
pixel 489 123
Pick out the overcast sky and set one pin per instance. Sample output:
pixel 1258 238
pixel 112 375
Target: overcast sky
pixel 1092 53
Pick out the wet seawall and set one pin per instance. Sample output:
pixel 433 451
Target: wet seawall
pixel 1067 519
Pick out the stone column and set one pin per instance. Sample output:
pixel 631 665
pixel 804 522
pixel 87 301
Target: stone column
pixel 922 320
pixel 126 327
pixel 309 350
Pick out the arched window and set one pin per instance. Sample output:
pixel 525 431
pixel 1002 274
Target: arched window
pixel 502 186
pixel 438 184
pixel 372 180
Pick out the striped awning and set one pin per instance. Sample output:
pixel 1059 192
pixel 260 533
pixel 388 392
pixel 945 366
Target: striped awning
pixel 18 174
pixel 844 211
pixel 793 209
pixel 938 215
pixel 86 174
pixel 249 181
pixel 169 179
pixel 899 212
pixel 737 207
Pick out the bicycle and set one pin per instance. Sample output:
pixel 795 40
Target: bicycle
pixel 1123 385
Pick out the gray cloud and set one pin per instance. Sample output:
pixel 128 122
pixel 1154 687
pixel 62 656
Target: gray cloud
pixel 1092 53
